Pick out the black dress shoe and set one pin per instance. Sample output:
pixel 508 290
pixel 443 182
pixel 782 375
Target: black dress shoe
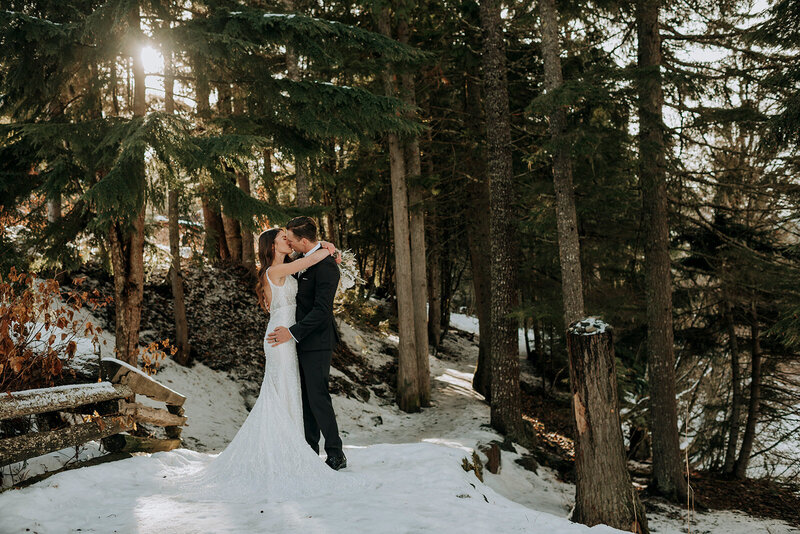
pixel 336 462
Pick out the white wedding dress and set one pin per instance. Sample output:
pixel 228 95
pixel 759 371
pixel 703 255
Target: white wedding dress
pixel 269 457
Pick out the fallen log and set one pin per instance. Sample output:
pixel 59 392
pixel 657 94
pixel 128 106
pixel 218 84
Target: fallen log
pixel 119 372
pixel 147 414
pixel 128 443
pixel 36 444
pixel 34 401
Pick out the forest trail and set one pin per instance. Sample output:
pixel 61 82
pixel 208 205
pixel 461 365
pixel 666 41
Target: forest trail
pixel 407 462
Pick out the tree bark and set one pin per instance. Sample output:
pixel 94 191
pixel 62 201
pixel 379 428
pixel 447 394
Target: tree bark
pixel 54 208
pixel 243 181
pixel 604 493
pixel 668 477
pixel 59 398
pixel 408 395
pixel 748 438
pixel 434 298
pixel 127 244
pixel 566 217
pixel 149 415
pixel 506 415
pixel 176 273
pixel 433 251
pixel 416 200
pixel 478 237
pixel 248 241
pixel 233 233
pixel 128 443
pixel 35 444
pixel 214 245
pixel 302 179
pixel 736 382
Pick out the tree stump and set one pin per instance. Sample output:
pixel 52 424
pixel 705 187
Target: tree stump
pixel 493 460
pixel 604 493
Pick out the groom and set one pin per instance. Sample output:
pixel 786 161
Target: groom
pixel 316 336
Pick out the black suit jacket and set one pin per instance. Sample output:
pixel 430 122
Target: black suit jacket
pixel 315 328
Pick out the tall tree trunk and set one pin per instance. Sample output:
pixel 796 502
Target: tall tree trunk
pixel 434 261
pixel 268 177
pixel 243 181
pixel 54 208
pixel 668 477
pixel 214 245
pixel 604 493
pixel 127 259
pixel 248 242
pixel 748 438
pixel 506 415
pixel 416 200
pixel 127 242
pixel 566 219
pixel 736 382
pixel 302 179
pixel 331 199
pixel 176 273
pixel 408 395
pixel 477 194
pixel 233 232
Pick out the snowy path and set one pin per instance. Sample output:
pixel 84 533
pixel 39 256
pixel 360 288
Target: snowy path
pixel 409 467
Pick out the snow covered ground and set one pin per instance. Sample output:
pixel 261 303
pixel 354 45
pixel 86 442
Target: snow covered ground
pixel 410 466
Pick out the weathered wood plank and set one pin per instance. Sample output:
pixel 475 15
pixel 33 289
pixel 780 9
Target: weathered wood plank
pixel 128 443
pixel 119 372
pixel 33 401
pixel 147 414
pixel 35 444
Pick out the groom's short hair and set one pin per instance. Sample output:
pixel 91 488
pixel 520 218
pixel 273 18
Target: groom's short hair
pixel 303 227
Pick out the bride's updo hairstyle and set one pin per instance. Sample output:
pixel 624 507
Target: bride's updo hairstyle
pixel 266 253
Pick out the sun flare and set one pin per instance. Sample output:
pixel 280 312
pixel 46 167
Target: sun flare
pixel 152 59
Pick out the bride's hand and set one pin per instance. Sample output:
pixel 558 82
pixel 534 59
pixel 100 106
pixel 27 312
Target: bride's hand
pixel 332 249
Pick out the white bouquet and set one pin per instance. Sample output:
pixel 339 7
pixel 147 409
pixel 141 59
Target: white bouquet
pixel 348 269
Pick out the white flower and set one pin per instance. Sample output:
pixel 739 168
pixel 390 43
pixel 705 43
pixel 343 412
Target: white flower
pixel 348 269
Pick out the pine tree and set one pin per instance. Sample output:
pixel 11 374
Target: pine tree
pixel 506 416
pixel 668 477
pixel 408 385
pixel 106 155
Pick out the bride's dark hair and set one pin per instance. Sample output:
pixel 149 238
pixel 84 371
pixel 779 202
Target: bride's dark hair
pixel 266 253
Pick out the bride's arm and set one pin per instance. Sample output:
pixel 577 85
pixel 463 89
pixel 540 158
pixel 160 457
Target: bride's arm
pixel 285 269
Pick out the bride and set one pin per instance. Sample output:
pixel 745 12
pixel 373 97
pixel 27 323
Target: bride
pixel 269 453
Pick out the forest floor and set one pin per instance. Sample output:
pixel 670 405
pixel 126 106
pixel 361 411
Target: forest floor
pixel 225 376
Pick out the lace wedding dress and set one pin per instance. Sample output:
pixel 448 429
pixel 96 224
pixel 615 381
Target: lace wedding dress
pixel 269 457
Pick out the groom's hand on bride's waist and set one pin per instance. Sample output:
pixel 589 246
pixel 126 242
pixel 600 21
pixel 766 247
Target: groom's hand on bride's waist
pixel 279 336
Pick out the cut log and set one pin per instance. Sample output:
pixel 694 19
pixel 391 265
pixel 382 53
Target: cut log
pixel 35 444
pixel 33 401
pixel 128 443
pixel 174 432
pixel 119 372
pixel 603 490
pixel 154 416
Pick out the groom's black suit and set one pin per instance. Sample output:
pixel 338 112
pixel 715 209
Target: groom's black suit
pixel 316 335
